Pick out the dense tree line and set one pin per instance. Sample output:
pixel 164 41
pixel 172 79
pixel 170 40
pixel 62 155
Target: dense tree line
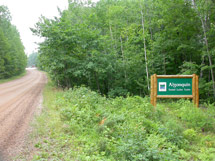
pixel 32 60
pixel 12 57
pixel 113 46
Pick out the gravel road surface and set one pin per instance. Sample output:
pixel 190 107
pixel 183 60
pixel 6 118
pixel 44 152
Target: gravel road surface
pixel 18 102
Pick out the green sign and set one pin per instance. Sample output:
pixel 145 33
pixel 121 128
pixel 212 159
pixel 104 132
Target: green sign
pixel 174 86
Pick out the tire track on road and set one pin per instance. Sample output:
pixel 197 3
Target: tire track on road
pixel 16 113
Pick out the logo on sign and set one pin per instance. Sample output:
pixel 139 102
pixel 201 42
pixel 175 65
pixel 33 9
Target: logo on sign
pixel 162 86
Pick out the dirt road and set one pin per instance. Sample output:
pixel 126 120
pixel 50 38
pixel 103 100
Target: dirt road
pixel 18 101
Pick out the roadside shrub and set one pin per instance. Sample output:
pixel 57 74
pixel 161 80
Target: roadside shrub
pixel 190 134
pixel 131 128
pixel 207 154
pixel 173 137
pixel 196 118
pixel 210 110
pixel 152 147
pixel 118 91
pixel 123 128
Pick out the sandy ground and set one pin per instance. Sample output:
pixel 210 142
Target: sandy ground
pixel 18 102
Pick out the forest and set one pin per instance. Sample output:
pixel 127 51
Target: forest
pixel 113 46
pixel 12 56
pixel 32 60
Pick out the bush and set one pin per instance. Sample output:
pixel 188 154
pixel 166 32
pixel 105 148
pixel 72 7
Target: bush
pixel 190 134
pixel 196 118
pixel 130 128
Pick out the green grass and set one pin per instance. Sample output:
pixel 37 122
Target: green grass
pixel 80 124
pixel 13 78
pixel 48 135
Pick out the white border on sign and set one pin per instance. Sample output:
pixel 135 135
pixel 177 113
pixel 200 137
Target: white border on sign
pixel 161 84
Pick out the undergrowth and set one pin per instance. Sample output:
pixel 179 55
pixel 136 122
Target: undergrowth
pixel 79 124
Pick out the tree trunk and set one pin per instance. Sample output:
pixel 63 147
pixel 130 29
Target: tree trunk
pixel 144 42
pixel 207 47
pixel 164 64
pixel 111 35
pixel 203 62
pixel 123 57
pixel 97 82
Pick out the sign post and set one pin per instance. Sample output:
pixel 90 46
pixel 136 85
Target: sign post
pixel 174 86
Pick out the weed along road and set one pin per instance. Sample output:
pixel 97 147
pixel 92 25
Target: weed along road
pixel 18 102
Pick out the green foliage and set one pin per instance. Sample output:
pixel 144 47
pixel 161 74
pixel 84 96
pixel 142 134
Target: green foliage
pixel 197 119
pixel 105 45
pixel 102 46
pixel 131 129
pixel 80 124
pixel 188 68
pixel 13 77
pixel 32 60
pixel 190 134
pixel 12 57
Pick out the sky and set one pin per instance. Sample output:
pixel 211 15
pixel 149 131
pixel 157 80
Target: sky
pixel 26 13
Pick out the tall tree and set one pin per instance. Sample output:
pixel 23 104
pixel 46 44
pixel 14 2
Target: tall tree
pixel 12 56
pixel 114 45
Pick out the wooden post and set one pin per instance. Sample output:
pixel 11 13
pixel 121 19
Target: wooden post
pixel 197 91
pixel 152 90
pixel 155 89
pixel 194 88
